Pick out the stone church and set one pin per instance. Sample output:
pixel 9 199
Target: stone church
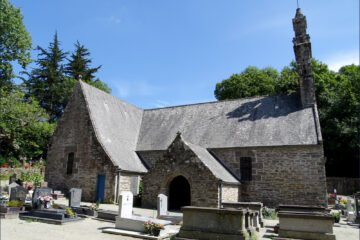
pixel 265 149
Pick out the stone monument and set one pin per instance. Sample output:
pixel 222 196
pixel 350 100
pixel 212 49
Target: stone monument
pixel 75 197
pixel 125 204
pixel 162 205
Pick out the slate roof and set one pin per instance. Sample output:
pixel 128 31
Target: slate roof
pixel 122 129
pixel 116 124
pixel 212 164
pixel 247 122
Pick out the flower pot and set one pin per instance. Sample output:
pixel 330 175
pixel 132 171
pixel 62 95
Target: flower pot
pixel 155 232
pixel 47 204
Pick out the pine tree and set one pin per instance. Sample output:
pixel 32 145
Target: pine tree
pixel 47 82
pixel 79 64
pixel 79 67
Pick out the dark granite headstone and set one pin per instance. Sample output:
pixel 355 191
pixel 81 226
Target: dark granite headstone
pixel 75 197
pixel 39 192
pixel 18 193
pixel 12 178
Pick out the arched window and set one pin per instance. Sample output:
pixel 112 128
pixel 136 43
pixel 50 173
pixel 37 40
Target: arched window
pixel 70 163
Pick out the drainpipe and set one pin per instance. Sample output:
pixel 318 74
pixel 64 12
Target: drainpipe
pixel 220 201
pixel 117 186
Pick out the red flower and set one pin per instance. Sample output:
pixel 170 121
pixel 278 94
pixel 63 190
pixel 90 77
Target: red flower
pixel 339 197
pixel 332 195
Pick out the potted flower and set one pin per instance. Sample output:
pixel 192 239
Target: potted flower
pixel 92 211
pixel 69 213
pixel 336 216
pixel 153 228
pixel 45 201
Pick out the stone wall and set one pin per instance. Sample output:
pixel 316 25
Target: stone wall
pixel 230 193
pixel 343 186
pixel 280 175
pixel 18 171
pixel 179 160
pixel 75 134
pixel 151 157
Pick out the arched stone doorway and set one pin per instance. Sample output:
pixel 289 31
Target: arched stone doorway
pixel 179 193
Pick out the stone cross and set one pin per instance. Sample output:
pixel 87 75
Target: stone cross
pixel 125 204
pixel 18 193
pixel 75 197
pixel 162 205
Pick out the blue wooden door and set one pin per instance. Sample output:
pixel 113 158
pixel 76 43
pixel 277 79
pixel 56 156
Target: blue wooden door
pixel 100 188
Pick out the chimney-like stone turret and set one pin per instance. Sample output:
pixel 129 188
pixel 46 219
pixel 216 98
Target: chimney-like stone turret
pixel 303 56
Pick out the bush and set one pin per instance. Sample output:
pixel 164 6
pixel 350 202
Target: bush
pixel 336 216
pixel 15 203
pixel 35 178
pixel 269 213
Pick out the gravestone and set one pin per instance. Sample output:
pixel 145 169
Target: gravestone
pixel 44 184
pixel 75 197
pixel 11 185
pixel 18 193
pixel 12 178
pixel 134 185
pixel 162 205
pixel 125 204
pixel 38 192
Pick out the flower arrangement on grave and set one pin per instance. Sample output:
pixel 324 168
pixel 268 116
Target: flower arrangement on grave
pixel 153 228
pixel 4 196
pixel 44 199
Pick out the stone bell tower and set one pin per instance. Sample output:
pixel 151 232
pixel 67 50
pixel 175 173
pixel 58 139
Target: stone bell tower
pixel 303 56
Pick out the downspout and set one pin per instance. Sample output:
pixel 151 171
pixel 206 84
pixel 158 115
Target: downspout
pixel 220 200
pixel 117 186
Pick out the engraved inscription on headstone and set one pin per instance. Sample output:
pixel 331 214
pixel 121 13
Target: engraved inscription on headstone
pixel 162 205
pixel 18 193
pixel 125 204
pixel 75 197
pixel 39 192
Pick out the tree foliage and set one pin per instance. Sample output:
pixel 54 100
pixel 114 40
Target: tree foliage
pixel 337 96
pixel 15 42
pixel 24 130
pixel 45 82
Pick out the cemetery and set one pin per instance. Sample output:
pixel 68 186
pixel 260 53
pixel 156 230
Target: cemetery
pixel 116 171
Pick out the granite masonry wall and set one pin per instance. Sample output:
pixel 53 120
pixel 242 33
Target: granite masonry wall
pixel 230 193
pixel 75 134
pixel 180 161
pixel 280 175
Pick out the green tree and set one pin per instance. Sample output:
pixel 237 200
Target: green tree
pixel 251 82
pixel 79 65
pixel 24 129
pixel 46 82
pixel 15 42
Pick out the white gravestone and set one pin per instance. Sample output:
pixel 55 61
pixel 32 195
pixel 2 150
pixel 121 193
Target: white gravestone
pixel 134 185
pixel 162 205
pixel 125 204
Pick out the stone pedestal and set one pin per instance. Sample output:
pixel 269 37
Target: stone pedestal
pixel 213 223
pixel 306 225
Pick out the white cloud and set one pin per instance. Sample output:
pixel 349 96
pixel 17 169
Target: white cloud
pixel 135 88
pixel 337 60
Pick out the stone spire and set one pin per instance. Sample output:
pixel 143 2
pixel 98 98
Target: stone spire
pixel 303 56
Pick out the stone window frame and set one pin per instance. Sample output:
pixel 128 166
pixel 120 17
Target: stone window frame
pixel 70 163
pixel 245 169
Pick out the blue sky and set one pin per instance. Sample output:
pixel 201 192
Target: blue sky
pixel 168 52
